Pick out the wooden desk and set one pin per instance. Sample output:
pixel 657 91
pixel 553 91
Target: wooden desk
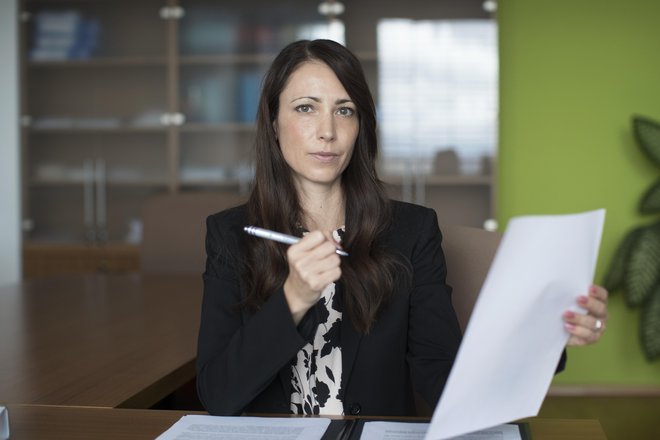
pixel 97 339
pixel 30 422
pixel 623 417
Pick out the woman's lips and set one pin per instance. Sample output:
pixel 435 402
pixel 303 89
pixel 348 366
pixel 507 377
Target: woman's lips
pixel 325 157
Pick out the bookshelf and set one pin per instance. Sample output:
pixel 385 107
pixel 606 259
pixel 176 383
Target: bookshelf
pixel 125 99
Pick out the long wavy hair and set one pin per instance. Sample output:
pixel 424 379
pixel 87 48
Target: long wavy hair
pixel 369 274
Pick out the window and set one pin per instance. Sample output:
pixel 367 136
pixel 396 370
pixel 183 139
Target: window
pixel 437 91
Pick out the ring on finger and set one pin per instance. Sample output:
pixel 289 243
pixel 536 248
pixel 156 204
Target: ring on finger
pixel 598 325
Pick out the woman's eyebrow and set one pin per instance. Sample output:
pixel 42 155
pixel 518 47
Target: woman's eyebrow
pixel 315 99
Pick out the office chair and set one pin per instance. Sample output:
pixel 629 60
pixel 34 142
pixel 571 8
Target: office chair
pixel 468 253
pixel 174 228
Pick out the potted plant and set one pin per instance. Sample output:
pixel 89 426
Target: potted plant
pixel 635 267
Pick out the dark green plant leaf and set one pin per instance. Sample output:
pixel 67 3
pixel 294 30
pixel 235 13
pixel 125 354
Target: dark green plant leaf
pixel 650 203
pixel 647 133
pixel 649 326
pixel 643 269
pixel 617 269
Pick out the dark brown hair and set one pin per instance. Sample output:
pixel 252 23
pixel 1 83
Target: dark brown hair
pixel 368 275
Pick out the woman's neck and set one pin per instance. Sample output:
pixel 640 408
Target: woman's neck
pixel 323 208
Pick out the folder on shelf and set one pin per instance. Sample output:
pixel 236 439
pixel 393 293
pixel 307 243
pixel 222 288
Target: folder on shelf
pixel 63 35
pixel 249 95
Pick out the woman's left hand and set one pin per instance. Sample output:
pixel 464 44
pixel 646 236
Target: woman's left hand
pixel 587 328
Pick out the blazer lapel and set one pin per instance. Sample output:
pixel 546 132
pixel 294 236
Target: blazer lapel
pixel 285 380
pixel 350 342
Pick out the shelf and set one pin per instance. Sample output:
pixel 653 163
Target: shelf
pixel 226 183
pixel 115 130
pixel 238 127
pixel 256 58
pixel 438 180
pixel 367 56
pixel 48 257
pixel 55 249
pixel 226 59
pixel 47 245
pixel 63 183
pixel 146 61
pixel 106 109
pixel 77 2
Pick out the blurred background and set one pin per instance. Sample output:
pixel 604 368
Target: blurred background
pixel 486 110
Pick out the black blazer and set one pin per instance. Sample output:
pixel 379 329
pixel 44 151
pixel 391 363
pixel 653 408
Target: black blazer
pixel 244 360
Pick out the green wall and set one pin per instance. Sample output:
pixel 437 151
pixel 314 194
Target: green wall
pixel 572 74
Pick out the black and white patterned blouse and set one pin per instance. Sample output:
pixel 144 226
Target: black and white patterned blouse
pixel 316 371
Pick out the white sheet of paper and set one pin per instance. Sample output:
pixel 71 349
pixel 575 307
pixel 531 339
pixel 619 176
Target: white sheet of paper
pixel 416 431
pixel 245 428
pixel 515 336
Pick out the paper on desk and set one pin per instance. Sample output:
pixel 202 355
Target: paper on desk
pixel 515 336
pixel 227 428
pixel 416 431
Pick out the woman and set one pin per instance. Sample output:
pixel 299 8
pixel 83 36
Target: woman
pixel 300 329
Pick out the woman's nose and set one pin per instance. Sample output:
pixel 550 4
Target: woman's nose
pixel 326 128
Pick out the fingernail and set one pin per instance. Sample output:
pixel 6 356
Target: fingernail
pixel 592 290
pixel 569 326
pixel 583 299
pixel 568 314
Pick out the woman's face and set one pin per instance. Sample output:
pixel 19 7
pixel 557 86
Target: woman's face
pixel 316 125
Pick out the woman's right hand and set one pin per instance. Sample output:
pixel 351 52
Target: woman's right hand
pixel 313 264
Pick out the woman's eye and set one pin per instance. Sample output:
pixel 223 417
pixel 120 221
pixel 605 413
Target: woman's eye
pixel 304 108
pixel 346 111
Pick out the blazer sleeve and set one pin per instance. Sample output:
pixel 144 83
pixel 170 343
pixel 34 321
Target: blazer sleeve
pixel 238 354
pixel 434 334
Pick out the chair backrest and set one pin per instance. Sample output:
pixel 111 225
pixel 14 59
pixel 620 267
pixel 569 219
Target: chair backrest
pixel 174 227
pixel 468 253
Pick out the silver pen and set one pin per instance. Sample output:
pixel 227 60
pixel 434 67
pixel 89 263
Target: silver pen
pixel 279 237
